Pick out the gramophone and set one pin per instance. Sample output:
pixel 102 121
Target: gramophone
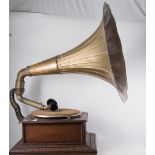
pixel 101 56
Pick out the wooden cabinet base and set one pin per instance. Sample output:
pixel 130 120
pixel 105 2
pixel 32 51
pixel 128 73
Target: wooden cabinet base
pixel 55 137
pixel 56 149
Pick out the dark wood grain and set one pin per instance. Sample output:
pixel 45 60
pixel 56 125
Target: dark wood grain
pixel 54 130
pixel 55 137
pixel 89 148
pixel 54 133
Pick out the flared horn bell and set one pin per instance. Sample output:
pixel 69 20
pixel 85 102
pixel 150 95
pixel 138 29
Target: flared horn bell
pixel 100 55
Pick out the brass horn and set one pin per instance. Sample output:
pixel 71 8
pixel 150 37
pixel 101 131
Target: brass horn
pixel 100 55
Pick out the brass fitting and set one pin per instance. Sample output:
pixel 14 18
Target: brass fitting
pixel 45 67
pixel 20 81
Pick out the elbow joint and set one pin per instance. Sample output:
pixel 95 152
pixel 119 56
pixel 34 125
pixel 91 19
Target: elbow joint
pixel 20 81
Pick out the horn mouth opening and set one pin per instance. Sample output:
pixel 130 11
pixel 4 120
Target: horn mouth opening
pixel 115 53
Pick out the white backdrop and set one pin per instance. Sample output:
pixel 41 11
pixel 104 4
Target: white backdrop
pixel 133 10
pixel 120 128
